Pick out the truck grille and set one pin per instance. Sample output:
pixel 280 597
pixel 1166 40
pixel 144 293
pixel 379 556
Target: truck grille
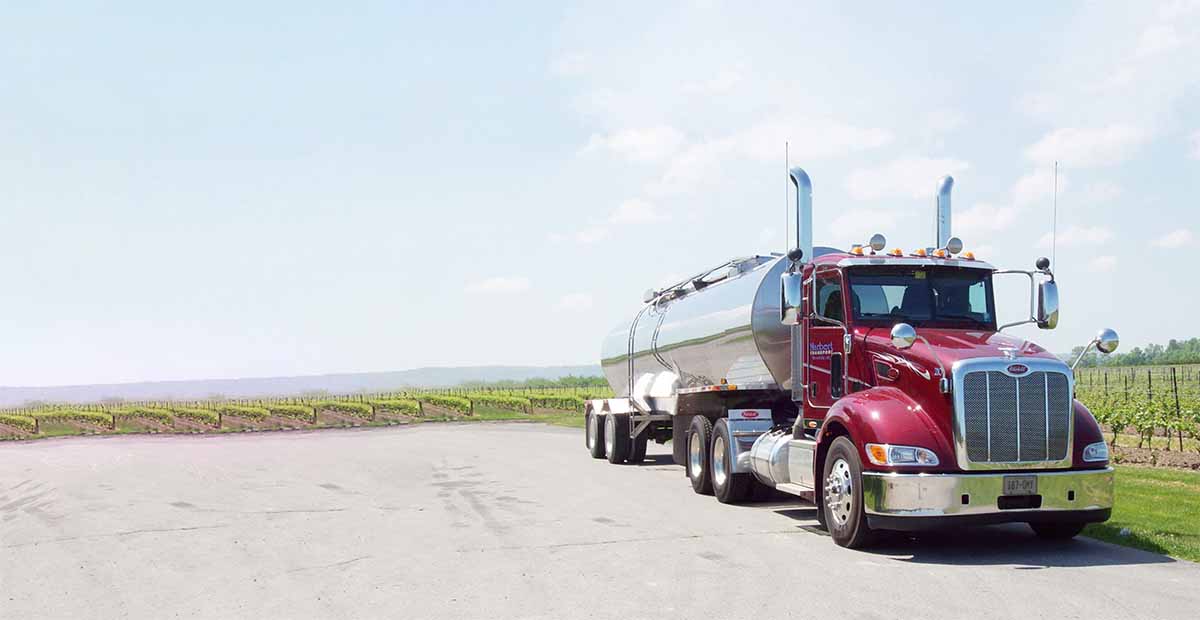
pixel 1010 419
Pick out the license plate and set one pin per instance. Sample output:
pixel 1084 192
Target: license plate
pixel 1020 485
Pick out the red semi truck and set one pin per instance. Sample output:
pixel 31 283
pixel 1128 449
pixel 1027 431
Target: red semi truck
pixel 875 383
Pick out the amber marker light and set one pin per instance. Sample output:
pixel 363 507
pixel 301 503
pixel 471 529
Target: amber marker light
pixel 896 252
pixel 877 453
pixel 920 252
pixel 968 255
pixel 939 253
pixel 857 251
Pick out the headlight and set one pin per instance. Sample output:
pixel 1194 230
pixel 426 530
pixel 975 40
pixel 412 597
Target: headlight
pixel 885 454
pixel 1096 452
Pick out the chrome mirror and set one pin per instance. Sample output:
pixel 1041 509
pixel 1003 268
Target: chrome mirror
pixel 791 298
pixel 903 335
pixel 1107 341
pixel 1047 305
pixel 954 245
pixel 878 242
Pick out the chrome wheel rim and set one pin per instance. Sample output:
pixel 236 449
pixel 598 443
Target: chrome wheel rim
pixel 591 431
pixel 610 433
pixel 718 461
pixel 695 456
pixel 839 491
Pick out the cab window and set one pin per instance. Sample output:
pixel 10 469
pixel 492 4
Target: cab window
pixel 829 297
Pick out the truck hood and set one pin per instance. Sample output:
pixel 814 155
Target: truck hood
pixel 953 345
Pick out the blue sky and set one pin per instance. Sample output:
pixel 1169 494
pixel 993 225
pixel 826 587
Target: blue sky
pixel 234 189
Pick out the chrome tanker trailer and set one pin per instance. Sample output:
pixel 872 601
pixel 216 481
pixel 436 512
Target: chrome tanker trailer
pixel 875 383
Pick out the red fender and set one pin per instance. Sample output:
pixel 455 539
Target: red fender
pixel 889 415
pixel 1087 431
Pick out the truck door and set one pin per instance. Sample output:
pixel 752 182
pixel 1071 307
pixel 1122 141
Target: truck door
pixel 824 349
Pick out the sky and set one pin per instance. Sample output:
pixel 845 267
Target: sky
pixel 226 190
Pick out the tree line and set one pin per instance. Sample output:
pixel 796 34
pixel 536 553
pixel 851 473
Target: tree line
pixel 1174 353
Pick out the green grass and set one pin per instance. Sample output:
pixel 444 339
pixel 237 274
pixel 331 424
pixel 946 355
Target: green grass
pixel 1161 510
pixel 485 413
pixel 360 410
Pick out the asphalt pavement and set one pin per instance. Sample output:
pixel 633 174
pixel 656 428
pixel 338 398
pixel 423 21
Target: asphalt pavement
pixel 491 521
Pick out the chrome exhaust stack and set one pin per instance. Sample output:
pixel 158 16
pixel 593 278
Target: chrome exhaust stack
pixel 803 184
pixel 945 185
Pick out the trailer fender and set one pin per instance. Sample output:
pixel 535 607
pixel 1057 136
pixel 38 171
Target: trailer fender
pixel 887 415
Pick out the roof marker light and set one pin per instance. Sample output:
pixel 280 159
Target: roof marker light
pixel 857 250
pixel 896 252
pixel 920 252
pixel 968 255
pixel 939 253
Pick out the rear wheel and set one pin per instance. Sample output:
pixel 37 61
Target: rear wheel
pixel 698 442
pixel 594 435
pixel 730 488
pixel 1057 531
pixel 616 437
pixel 842 499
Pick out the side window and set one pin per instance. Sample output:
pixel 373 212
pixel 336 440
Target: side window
pixel 829 297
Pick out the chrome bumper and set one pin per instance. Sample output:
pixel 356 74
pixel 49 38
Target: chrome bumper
pixel 1087 494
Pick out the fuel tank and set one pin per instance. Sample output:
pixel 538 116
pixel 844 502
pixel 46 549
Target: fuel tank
pixel 723 325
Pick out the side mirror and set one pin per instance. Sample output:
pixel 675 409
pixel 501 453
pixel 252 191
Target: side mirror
pixel 791 298
pixel 1047 305
pixel 903 335
pixel 1107 341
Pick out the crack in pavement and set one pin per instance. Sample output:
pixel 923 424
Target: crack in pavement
pixel 617 541
pixel 324 566
pixel 117 534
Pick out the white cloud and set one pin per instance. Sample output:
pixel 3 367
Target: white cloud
pixel 984 219
pixel 500 284
pixel 644 145
pixel 909 177
pixel 811 139
pixel 1103 264
pixel 1087 147
pixel 1174 239
pixel 1078 235
pixel 1036 186
pixel 571 64
pixel 1195 145
pixel 1158 39
pixel 636 211
pixel 857 225
pixel 1099 192
pixel 574 302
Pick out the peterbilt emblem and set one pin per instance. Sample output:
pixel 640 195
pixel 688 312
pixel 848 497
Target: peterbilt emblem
pixel 1017 369
pixel 750 415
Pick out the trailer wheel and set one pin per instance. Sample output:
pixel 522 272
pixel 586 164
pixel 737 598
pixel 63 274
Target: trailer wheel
pixel 842 499
pixel 637 447
pixel 616 437
pixel 1057 531
pixel 595 435
pixel 699 440
pixel 730 488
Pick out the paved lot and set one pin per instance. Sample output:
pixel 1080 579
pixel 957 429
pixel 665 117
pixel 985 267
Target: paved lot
pixel 490 521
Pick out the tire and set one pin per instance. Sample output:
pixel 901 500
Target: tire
pixel 616 437
pixel 594 435
pixel 699 443
pixel 637 447
pixel 841 496
pixel 1057 531
pixel 728 487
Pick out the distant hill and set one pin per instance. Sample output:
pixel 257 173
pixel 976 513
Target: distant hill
pixel 286 386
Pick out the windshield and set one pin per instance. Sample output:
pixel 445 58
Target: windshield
pixel 922 296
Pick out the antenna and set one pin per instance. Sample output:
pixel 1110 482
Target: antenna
pixel 787 238
pixel 1054 221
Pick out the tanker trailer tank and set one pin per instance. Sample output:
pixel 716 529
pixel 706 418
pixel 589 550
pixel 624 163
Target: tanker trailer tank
pixel 719 327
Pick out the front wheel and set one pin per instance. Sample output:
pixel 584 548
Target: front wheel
pixel 842 499
pixel 1057 531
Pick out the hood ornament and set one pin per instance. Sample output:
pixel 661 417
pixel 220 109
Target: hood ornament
pixel 1009 352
